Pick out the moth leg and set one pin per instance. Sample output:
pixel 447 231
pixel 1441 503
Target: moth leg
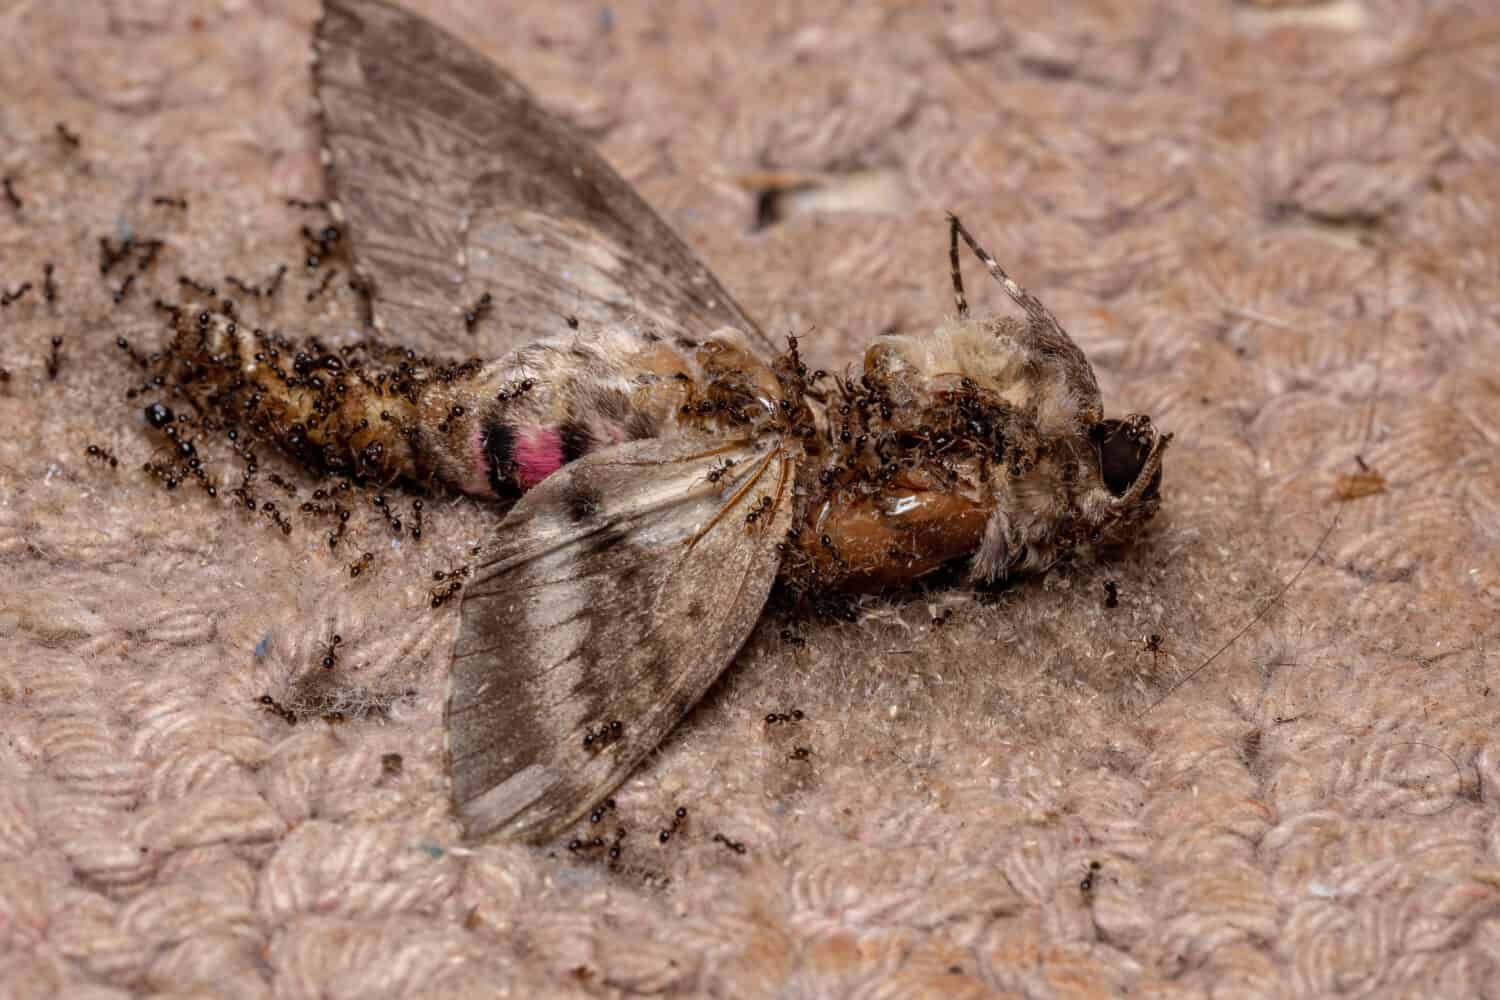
pixel 1028 302
pixel 1003 547
pixel 993 559
pixel 954 269
pixel 1011 541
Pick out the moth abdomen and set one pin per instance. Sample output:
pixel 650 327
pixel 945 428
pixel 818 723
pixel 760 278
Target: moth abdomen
pixel 329 411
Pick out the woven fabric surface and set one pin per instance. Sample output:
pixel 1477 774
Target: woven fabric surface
pixel 1269 225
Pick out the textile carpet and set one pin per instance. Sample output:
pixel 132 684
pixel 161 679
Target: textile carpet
pixel 1269 225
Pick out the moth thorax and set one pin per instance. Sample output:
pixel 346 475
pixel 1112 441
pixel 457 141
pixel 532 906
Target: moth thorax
pixel 726 354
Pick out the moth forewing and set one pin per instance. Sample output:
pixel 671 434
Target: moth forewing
pixel 455 184
pixel 610 598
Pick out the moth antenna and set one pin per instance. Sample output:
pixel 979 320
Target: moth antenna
pixel 1028 302
pixel 954 269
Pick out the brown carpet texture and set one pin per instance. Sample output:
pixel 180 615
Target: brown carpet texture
pixel 1272 226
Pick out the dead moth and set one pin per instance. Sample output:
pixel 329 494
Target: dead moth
pixel 671 466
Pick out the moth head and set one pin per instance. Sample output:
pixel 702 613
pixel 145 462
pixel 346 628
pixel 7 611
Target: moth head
pixel 1128 461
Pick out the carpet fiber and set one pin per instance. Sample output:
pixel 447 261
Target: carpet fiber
pixel 1269 225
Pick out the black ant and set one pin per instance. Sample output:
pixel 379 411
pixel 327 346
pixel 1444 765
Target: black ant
pixel 677 820
pixel 320 244
pixel 275 708
pixel 207 291
pixel 761 508
pixel 1087 885
pixel 594 740
pixel 103 455
pixel 734 845
pixel 598 814
pixel 383 504
pixel 275 284
pixel 268 508
pixel 717 472
pixel 441 595
pixel 328 277
pixel 119 294
pixel 1153 645
pixel 478 311
pixel 337 534
pixel 287 486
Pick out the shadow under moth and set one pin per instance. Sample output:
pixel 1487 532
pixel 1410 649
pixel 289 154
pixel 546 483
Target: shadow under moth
pixel 668 464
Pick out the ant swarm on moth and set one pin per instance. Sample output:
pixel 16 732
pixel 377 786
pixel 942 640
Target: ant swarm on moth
pixel 669 465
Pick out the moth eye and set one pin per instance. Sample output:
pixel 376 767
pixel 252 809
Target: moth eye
pixel 1121 454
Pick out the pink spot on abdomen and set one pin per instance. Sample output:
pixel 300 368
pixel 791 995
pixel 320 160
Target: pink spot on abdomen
pixel 538 454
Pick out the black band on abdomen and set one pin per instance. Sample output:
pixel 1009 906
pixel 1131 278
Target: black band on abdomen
pixel 499 456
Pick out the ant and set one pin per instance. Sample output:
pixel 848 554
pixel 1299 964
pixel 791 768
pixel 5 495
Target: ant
pixel 717 473
pixel 478 311
pixel 594 740
pixel 99 454
pixel 1087 885
pixel 677 820
pixel 763 507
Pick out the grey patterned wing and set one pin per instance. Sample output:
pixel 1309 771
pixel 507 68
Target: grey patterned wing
pixel 454 183
pixel 611 597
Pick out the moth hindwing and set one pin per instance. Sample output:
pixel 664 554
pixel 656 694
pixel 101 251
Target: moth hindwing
pixel 610 598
